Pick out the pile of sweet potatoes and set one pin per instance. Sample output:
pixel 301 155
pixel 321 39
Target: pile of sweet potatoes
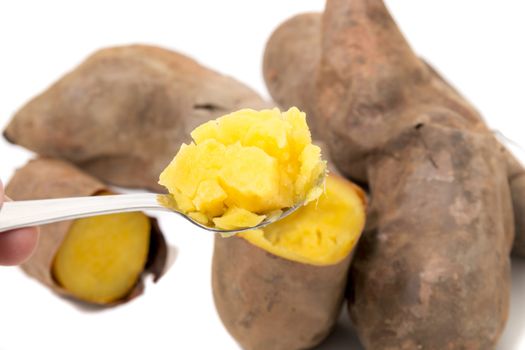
pixel 432 270
pixel 447 201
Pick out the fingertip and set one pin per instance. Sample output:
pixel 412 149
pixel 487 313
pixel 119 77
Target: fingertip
pixel 17 246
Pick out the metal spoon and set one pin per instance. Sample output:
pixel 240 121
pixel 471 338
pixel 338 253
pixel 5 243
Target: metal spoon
pixel 38 212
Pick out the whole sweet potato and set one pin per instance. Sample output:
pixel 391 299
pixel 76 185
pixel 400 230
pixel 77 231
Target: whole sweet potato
pixel 432 270
pixel 291 62
pixel 124 112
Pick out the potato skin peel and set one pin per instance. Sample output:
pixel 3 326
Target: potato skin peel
pixel 433 269
pixel 267 302
pixel 45 178
pixel 123 113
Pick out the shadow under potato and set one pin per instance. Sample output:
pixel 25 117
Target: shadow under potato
pixel 343 336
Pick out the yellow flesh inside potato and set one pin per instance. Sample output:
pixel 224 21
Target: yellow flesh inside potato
pixel 321 233
pixel 102 257
pixel 245 165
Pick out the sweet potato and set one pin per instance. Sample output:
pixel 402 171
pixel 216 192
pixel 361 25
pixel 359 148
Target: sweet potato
pixel 282 287
pixel 432 270
pixel 516 174
pixel 245 166
pixel 124 112
pixel 290 60
pixel 100 260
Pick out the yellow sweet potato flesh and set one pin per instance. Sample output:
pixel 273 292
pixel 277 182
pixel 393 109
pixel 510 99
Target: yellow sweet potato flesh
pixel 320 233
pixel 245 165
pixel 238 218
pixel 102 257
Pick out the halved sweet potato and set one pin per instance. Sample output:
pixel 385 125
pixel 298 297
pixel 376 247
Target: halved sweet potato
pixel 100 260
pixel 282 287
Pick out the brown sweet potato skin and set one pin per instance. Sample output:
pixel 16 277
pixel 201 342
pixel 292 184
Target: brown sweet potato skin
pixel 518 200
pixel 516 173
pixel 45 178
pixel 432 270
pixel 267 302
pixel 124 112
pixel 289 64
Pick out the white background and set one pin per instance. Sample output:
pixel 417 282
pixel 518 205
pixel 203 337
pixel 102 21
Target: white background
pixel 478 45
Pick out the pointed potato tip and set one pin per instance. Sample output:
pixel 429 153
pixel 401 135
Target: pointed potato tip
pixel 8 136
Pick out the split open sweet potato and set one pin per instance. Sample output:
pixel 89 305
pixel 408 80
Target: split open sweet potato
pixel 281 287
pixel 100 260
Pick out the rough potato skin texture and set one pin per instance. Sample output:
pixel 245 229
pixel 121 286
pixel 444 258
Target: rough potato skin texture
pixel 267 302
pixel 438 278
pixel 432 270
pixel 45 178
pixel 124 112
pixel 288 68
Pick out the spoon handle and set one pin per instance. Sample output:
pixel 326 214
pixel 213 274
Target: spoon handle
pixel 38 212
